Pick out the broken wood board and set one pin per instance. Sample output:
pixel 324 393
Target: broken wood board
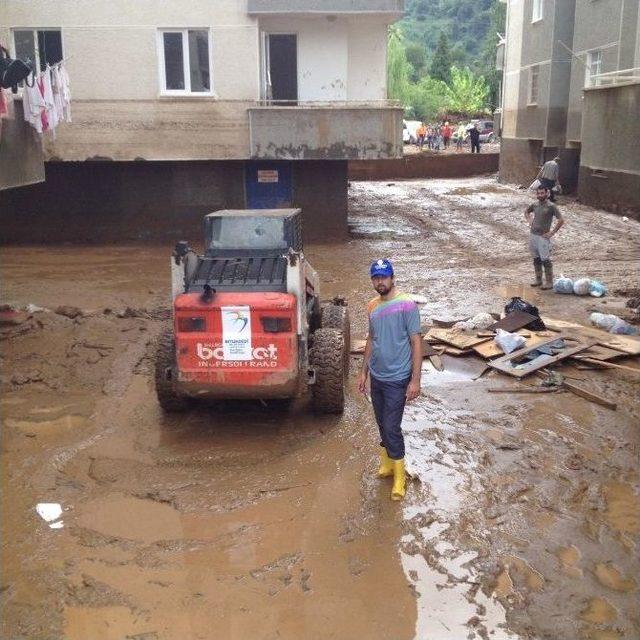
pixel 629 344
pixel 598 352
pixel 357 346
pixel 523 390
pixel 454 337
pixel 452 351
pixel 428 350
pixel 491 349
pixel 504 364
pixel 605 365
pixel 513 321
pixel 589 395
pixel 436 361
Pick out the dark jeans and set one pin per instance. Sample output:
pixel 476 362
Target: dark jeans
pixel 549 184
pixel 388 399
pixel 475 146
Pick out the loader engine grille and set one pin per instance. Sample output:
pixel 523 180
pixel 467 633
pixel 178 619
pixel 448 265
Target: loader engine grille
pixel 245 273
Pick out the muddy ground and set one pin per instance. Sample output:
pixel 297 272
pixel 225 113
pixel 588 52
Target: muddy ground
pixel 241 521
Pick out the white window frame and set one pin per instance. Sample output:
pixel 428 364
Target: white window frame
pixel 185 62
pixel 531 99
pixel 537 10
pixel 34 30
pixel 588 68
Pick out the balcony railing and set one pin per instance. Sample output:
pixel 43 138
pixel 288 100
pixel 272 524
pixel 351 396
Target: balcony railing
pixel 614 78
pixel 342 130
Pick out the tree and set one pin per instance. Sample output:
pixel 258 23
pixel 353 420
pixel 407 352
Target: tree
pixel 398 68
pixel 417 57
pixel 427 99
pixel 441 63
pixel 466 93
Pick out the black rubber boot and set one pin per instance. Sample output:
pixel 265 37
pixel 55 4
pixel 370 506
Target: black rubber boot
pixel 537 265
pixel 548 275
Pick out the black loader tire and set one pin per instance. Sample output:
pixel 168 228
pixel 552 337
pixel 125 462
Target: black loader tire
pixel 337 317
pixel 327 358
pixel 168 397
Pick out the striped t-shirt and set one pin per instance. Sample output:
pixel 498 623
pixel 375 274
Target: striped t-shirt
pixel 391 323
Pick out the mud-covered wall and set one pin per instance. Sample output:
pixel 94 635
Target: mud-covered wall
pixel 109 202
pixel 422 166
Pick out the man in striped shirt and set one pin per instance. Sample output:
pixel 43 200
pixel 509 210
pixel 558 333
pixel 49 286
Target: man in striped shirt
pixel 393 361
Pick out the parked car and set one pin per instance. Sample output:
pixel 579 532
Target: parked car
pixel 486 130
pixel 409 131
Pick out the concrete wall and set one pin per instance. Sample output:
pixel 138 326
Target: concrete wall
pixel 303 133
pixel 610 160
pixel 325 6
pixel 21 159
pixel 109 202
pixel 416 166
pixel 597 26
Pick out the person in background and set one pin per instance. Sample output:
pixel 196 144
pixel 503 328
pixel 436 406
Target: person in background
pixel 459 135
pixel 421 133
pixel 539 218
pixel 437 138
pixel 393 363
pixel 446 134
pixel 430 137
pixel 548 176
pixel 474 137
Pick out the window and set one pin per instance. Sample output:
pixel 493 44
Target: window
pixel 184 57
pixel 38 47
pixel 533 84
pixel 537 12
pixel 593 67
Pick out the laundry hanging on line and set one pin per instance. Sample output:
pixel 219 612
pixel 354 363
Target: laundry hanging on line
pixel 47 102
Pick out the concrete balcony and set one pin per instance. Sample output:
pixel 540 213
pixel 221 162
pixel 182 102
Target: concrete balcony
pixel 327 131
pixel 334 7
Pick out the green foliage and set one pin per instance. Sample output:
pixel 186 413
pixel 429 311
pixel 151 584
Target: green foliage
pixel 417 57
pixel 467 92
pixel 427 99
pixel 398 68
pixel 441 64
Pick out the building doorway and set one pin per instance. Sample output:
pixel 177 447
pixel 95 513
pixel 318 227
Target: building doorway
pixel 280 56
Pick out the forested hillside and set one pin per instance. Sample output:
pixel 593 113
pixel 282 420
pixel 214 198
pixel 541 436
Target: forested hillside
pixel 442 56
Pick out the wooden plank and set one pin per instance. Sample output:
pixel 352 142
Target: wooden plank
pixel 528 390
pixel 628 344
pixel 513 321
pixel 589 395
pixel 504 364
pixel 606 365
pixel 598 352
pixel 452 351
pixel 436 361
pixel 454 337
pixel 428 350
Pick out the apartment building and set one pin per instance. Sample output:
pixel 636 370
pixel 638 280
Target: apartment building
pixel 185 107
pixel 571 87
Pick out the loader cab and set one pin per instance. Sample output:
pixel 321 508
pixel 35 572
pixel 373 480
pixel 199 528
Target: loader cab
pixel 253 230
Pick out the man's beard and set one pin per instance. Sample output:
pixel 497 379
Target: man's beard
pixel 382 289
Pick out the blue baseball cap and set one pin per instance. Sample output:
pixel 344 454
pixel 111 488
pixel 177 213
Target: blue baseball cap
pixel 382 268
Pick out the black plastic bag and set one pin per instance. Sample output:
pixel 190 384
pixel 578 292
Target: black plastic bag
pixel 518 304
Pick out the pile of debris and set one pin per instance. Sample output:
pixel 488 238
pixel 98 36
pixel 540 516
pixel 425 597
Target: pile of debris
pixel 523 343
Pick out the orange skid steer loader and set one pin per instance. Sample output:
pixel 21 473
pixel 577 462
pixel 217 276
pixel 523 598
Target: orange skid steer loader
pixel 247 318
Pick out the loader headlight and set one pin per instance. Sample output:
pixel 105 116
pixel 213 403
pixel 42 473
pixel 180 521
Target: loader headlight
pixel 276 325
pixel 193 323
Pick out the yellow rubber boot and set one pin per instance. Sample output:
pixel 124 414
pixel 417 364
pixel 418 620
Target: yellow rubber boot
pixel 399 482
pixel 386 464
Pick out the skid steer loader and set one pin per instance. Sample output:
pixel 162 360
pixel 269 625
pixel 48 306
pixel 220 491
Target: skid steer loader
pixel 247 318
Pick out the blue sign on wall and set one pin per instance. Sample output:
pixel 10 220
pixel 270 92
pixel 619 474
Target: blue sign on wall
pixel 268 184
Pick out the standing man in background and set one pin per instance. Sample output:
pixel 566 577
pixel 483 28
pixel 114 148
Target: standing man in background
pixel 474 137
pixel 446 134
pixel 393 361
pixel 539 218
pixel 548 176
